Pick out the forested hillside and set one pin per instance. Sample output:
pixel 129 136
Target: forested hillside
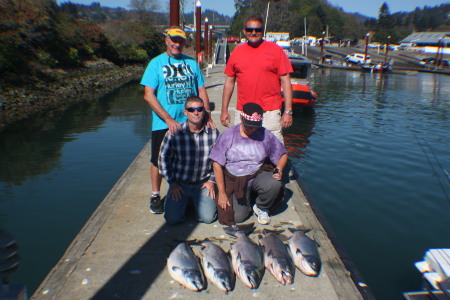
pixel 39 38
pixel 320 16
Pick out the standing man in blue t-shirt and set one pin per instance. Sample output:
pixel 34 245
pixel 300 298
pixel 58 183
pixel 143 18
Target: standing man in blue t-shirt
pixel 170 78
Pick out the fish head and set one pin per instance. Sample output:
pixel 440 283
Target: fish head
pixel 224 280
pixel 311 265
pixel 250 274
pixel 283 271
pixel 193 279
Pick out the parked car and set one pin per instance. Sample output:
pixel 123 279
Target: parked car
pixel 396 47
pixel 233 39
pixel 358 58
pixel 374 45
pixel 432 61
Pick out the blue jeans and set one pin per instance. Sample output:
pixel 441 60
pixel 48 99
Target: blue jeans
pixel 205 207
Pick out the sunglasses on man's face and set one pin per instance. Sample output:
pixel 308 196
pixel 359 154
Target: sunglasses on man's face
pixel 192 109
pixel 251 29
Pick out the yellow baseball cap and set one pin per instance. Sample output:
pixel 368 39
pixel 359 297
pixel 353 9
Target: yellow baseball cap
pixel 176 32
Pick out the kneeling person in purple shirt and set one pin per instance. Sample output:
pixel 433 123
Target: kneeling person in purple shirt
pixel 248 166
pixel 184 163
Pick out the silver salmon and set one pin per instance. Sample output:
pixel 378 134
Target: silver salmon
pixel 246 258
pixel 184 267
pixel 305 253
pixel 217 266
pixel 277 258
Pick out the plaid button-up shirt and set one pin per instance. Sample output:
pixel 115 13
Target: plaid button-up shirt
pixel 185 157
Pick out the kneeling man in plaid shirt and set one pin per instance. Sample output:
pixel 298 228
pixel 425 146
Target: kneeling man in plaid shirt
pixel 184 162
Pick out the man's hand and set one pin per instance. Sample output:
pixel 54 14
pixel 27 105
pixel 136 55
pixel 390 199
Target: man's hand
pixel 286 121
pixel 210 187
pixel 225 118
pixel 173 125
pixel 222 201
pixel 209 121
pixel 277 174
pixel 175 191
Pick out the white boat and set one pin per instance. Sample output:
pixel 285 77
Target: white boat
pixel 435 269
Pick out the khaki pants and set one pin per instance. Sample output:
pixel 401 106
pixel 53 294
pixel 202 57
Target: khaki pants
pixel 271 121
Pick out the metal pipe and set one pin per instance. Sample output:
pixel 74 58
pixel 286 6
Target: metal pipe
pixel 206 42
pixel 267 14
pixel 211 53
pixel 198 29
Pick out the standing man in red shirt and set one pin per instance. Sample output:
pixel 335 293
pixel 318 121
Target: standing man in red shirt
pixel 262 70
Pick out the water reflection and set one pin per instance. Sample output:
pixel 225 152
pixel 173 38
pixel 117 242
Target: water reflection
pixel 296 138
pixel 33 147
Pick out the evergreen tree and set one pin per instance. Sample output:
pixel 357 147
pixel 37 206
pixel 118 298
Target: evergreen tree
pixel 385 25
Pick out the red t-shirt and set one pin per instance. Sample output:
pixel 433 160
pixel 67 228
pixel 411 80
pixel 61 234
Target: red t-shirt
pixel 258 71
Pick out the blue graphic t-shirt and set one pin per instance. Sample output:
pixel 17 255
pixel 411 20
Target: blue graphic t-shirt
pixel 174 80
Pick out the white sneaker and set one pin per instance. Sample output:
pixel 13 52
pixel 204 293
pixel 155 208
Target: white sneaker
pixel 263 215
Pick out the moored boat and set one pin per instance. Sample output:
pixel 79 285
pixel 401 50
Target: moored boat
pixel 372 68
pixel 302 94
pixel 435 269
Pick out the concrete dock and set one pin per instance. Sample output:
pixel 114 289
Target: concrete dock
pixel 121 251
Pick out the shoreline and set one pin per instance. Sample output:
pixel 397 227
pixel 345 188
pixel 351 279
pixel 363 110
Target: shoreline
pixel 96 79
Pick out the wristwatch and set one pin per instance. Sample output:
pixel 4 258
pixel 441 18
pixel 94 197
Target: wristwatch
pixel 289 112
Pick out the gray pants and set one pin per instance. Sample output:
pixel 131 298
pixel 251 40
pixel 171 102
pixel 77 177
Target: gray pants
pixel 264 190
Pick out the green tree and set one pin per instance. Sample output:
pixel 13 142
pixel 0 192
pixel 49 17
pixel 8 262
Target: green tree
pixel 385 25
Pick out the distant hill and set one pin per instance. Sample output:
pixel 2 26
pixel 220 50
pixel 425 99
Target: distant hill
pixel 214 18
pixel 100 14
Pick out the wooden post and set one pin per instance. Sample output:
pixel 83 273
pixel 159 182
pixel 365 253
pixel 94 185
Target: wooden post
pixel 387 49
pixel 174 13
pixel 321 47
pixel 436 61
pixel 365 52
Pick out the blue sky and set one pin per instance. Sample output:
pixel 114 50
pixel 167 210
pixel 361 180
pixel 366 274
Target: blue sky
pixel 368 8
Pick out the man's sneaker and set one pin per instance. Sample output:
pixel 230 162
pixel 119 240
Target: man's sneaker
pixel 156 204
pixel 263 215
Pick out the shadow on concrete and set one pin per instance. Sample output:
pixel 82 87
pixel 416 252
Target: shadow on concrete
pixel 282 206
pixel 137 275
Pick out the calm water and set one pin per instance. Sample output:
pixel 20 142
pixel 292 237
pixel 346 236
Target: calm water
pixel 371 157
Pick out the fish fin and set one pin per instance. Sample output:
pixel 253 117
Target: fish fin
pixel 305 230
pixel 246 228
pixel 238 258
pixel 315 240
pixel 267 231
pixel 270 254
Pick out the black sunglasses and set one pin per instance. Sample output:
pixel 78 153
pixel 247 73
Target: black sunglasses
pixel 192 109
pixel 250 29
